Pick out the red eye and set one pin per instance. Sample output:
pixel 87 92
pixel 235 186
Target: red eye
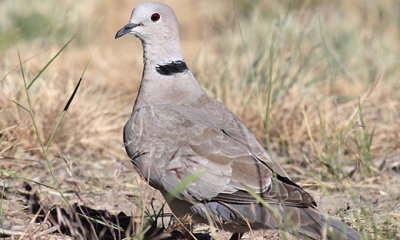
pixel 155 17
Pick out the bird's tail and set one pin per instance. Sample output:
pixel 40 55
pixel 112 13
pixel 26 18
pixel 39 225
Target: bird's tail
pixel 316 225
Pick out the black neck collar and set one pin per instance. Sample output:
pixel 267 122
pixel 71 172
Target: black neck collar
pixel 172 68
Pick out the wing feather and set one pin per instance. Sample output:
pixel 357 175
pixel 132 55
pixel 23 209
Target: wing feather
pixel 183 142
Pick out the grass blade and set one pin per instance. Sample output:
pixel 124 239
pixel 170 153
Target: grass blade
pixel 29 101
pixel 268 107
pixel 26 179
pixel 66 108
pixel 20 105
pixel 48 64
pixel 185 182
pixel 22 69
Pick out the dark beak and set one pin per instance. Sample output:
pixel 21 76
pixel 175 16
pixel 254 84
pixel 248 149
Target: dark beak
pixel 125 30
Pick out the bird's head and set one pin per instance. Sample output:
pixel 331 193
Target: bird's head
pixel 152 22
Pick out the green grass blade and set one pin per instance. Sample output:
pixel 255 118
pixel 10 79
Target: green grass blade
pixel 185 182
pixel 30 110
pixel 48 64
pixel 287 222
pixel 62 115
pixel 22 69
pixel 66 107
pixel 56 127
pixel 258 198
pixel 20 105
pixel 102 222
pixel 29 101
pixel 268 108
pixel 27 179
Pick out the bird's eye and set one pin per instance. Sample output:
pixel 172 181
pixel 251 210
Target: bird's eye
pixel 155 17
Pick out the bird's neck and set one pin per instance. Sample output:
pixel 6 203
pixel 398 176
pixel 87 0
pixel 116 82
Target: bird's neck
pixel 160 53
pixel 167 82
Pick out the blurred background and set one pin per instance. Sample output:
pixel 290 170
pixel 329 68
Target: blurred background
pixel 317 83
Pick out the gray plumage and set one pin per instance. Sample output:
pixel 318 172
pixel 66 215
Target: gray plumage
pixel 177 130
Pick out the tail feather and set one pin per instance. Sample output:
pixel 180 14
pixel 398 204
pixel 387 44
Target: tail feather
pixel 307 222
pixel 321 225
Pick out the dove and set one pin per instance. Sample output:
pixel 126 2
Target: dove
pixel 177 131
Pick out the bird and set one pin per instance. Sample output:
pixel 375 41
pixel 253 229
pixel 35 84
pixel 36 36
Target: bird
pixel 177 132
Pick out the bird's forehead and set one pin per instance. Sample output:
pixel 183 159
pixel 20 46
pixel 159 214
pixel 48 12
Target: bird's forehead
pixel 140 12
pixel 145 9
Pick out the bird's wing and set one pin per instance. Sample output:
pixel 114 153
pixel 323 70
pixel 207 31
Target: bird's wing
pixel 222 151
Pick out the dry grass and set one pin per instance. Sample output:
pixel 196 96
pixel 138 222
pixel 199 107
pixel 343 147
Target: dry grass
pixel 334 116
